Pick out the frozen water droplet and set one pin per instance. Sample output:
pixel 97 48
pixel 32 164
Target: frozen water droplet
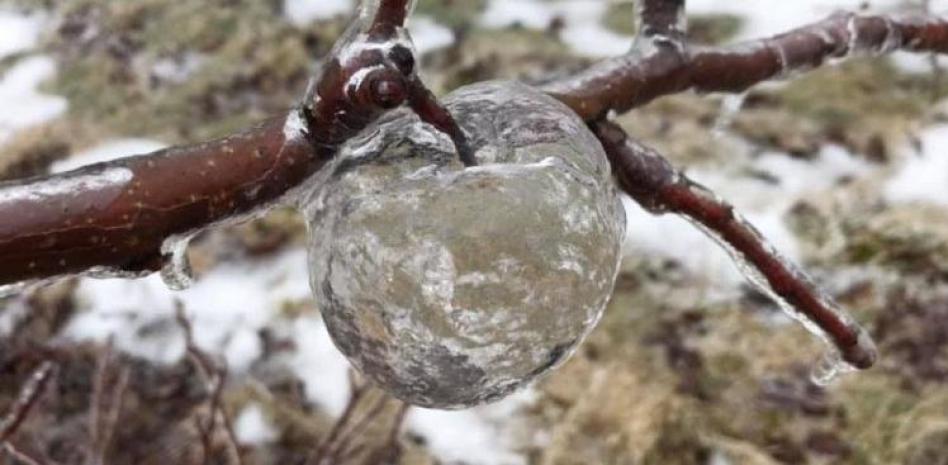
pixel 829 368
pixel 177 271
pixel 730 106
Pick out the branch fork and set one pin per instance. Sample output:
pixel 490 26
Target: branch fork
pixel 115 218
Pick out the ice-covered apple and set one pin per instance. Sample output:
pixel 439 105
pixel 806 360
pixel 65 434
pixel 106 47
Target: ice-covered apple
pixel 451 286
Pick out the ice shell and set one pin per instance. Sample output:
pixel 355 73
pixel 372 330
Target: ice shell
pixel 452 287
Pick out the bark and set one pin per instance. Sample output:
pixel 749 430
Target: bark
pixel 117 216
pixel 655 68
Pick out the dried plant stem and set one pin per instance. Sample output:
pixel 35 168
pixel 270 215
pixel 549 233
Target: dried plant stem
pixel 29 396
pixel 105 406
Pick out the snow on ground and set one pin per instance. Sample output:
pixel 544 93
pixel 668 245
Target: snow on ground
pixel 319 364
pixel 767 17
pixel 23 104
pixel 107 151
pixel 252 427
pixel 227 307
pixel 428 35
pixel 19 32
pixel 303 12
pixel 230 303
pixel 474 436
pixel 924 177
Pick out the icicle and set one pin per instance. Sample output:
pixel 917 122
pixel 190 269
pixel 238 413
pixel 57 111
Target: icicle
pixel 829 368
pixel 831 364
pixel 177 271
pixel 731 105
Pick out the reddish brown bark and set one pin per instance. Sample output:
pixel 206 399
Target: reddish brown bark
pixel 656 68
pixel 651 180
pixel 117 215
pixel 663 18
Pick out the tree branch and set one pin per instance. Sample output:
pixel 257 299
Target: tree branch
pixel 651 180
pixel 117 215
pixel 115 218
pixel 662 18
pixel 623 83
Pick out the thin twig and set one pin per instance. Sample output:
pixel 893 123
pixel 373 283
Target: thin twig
pixel 29 396
pixel 662 19
pixel 215 379
pixel 105 406
pixel 21 455
pixel 322 451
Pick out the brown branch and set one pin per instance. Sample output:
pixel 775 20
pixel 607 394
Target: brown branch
pixel 116 217
pixel 645 175
pixel 623 83
pixel 215 379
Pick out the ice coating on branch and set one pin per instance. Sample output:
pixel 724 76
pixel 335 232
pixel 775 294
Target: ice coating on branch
pixel 731 106
pixel 831 363
pixel 369 8
pixel 176 273
pixel 452 287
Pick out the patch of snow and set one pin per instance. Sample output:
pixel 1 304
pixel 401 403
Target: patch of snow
pixel 533 14
pixel 227 308
pixel 107 151
pixel 476 436
pixel 924 178
pixel 253 428
pixel 428 35
pixel 583 29
pixel 177 71
pixel 19 32
pixel 23 104
pixel 303 12
pixel 319 364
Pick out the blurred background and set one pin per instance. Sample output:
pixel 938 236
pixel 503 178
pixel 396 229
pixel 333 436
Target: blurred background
pixel 844 168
